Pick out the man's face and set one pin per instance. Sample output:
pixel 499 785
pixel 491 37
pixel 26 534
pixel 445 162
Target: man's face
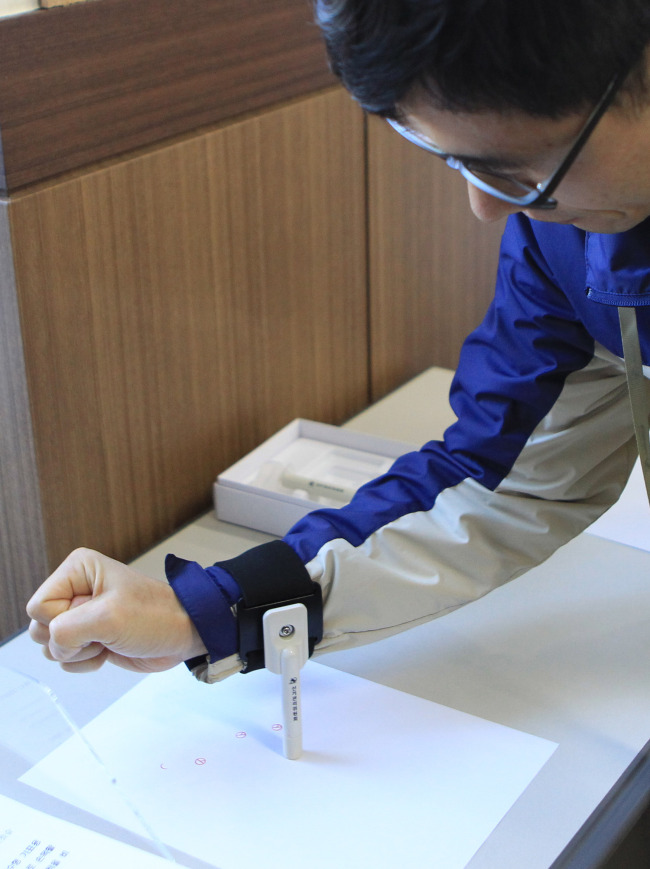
pixel 607 189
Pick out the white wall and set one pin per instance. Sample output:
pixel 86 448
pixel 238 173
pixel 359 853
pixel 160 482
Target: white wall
pixel 14 7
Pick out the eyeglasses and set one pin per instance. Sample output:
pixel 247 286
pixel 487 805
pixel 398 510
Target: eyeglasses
pixel 507 188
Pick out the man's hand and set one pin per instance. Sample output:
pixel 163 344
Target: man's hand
pixel 93 609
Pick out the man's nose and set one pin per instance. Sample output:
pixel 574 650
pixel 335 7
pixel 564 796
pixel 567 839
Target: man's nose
pixel 489 208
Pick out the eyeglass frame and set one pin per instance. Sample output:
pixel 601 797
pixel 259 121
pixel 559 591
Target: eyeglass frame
pixel 539 196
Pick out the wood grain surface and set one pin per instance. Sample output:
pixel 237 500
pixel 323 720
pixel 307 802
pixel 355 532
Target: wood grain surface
pixel 181 306
pixel 85 82
pixel 22 549
pixel 432 263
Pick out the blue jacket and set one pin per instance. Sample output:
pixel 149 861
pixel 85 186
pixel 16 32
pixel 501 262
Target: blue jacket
pixel 543 445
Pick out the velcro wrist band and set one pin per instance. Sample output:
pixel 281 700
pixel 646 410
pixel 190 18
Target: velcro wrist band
pixel 269 576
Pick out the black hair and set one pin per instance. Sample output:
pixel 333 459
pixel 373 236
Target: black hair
pixel 545 58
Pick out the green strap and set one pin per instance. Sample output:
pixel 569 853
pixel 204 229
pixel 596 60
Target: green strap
pixel 636 388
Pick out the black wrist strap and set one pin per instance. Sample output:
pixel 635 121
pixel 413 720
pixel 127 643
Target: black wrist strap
pixel 271 575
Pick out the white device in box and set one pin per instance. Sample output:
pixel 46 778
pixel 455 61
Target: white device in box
pixel 305 466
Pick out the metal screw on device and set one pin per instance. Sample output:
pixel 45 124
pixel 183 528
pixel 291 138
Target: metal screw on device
pixel 287 630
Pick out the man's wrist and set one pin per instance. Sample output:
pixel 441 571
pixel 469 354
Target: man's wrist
pixel 195 647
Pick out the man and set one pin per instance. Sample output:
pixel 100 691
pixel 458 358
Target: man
pixel 544 109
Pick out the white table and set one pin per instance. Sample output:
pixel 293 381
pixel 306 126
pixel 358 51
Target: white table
pixel 562 652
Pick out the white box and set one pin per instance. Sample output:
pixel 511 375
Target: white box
pixel 303 467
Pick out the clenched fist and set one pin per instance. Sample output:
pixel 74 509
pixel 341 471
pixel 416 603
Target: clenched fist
pixel 94 609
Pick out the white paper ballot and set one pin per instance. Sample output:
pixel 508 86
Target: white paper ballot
pixel 30 839
pixel 386 779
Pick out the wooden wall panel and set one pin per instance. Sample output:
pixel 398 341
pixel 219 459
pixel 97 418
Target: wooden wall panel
pixel 432 263
pixel 180 306
pixel 93 80
pixel 21 528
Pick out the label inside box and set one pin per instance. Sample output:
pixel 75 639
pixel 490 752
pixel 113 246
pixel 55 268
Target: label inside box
pixel 324 473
